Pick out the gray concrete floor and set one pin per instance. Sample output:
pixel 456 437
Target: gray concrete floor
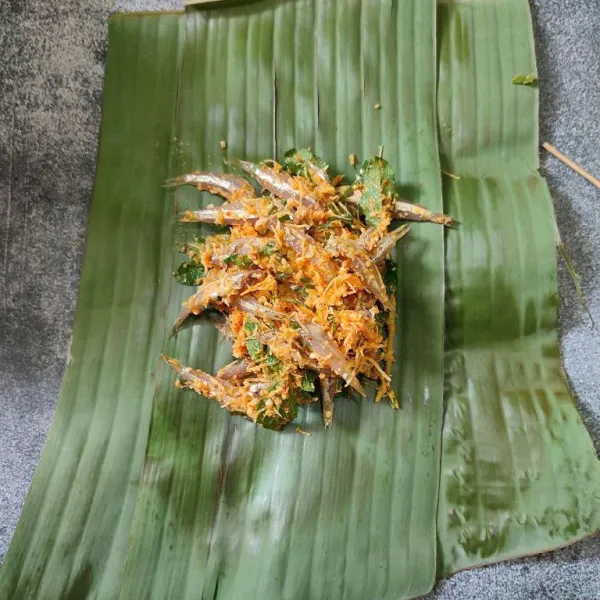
pixel 51 71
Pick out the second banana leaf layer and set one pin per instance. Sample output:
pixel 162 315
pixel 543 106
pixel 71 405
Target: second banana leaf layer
pixel 226 509
pixel 519 473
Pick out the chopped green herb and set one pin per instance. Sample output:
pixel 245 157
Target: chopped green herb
pixel 284 218
pixel 378 182
pixel 189 273
pixel 308 381
pixel 340 213
pixel 530 79
pixel 288 409
pixel 303 162
pixel 254 347
pixel 250 326
pixel 268 250
pixel 340 218
pixel 302 291
pixel 272 361
pixel 242 262
pixel 381 319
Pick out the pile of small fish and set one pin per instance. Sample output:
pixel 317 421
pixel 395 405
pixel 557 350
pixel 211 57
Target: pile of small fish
pixel 302 283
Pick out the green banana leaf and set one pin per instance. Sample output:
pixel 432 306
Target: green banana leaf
pixel 72 537
pixel 230 510
pixel 519 471
pixel 221 508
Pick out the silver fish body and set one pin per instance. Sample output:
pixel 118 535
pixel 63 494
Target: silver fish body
pixel 219 184
pixel 276 182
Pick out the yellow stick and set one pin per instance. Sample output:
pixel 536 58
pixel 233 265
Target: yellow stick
pixel 571 164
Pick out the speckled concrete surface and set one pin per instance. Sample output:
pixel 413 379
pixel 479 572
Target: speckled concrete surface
pixel 51 69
